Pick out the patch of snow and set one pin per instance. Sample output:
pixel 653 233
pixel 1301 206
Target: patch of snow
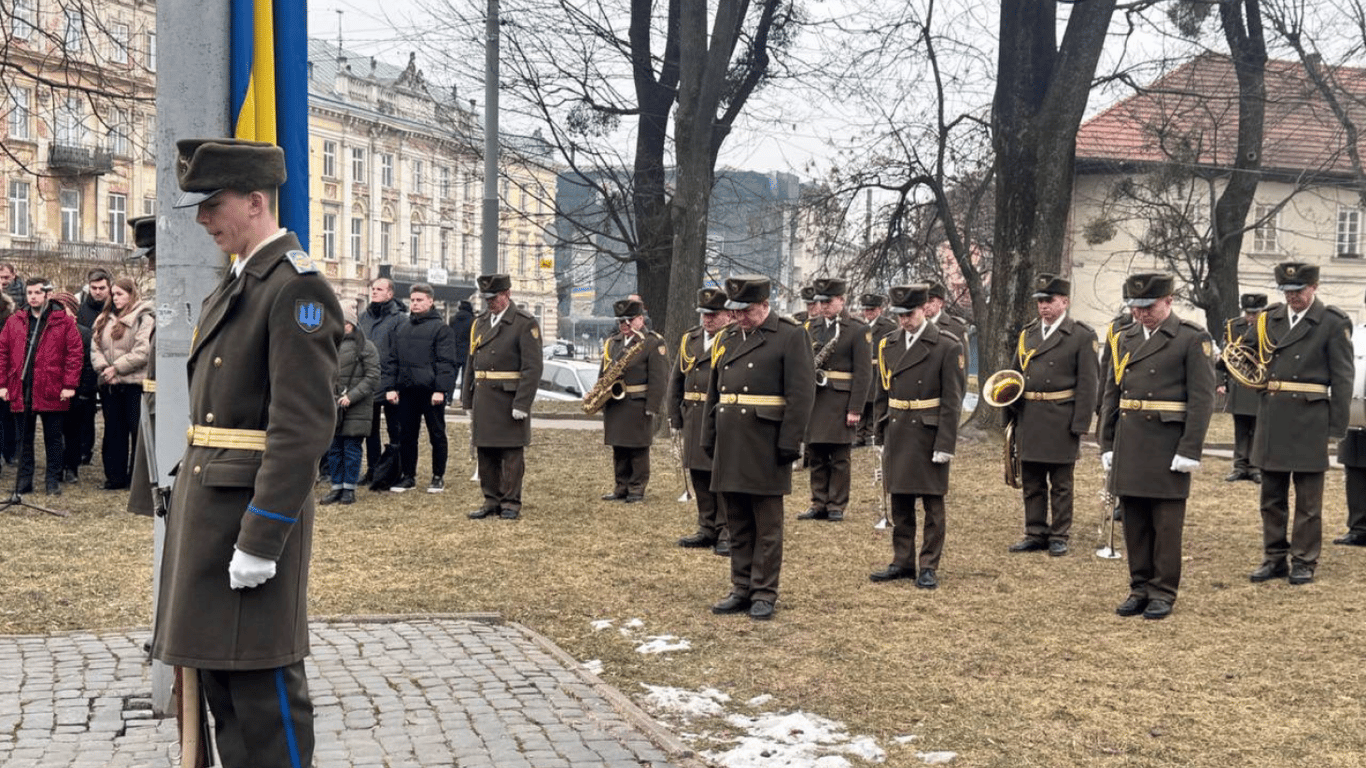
pixel 594 666
pixel 663 644
pixel 634 624
pixel 759 701
pixel 601 624
pixel 937 758
pixel 686 704
pixel 907 739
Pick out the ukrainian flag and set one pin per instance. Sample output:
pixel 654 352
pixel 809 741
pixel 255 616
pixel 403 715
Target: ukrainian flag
pixel 269 91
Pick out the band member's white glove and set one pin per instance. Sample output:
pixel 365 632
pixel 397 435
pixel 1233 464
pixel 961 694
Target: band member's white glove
pixel 518 415
pixel 940 457
pixel 1182 464
pixel 247 571
pixel 1106 459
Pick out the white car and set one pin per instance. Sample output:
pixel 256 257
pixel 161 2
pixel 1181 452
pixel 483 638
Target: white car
pixel 566 379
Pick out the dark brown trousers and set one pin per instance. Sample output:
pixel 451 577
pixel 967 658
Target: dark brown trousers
pixel 756 544
pixel 1306 539
pixel 1356 499
pixel 711 508
pixel 1152 534
pixel 830 479
pixel 263 718
pixel 1045 484
pixel 631 470
pixel 500 476
pixel 904 530
pixel 1243 427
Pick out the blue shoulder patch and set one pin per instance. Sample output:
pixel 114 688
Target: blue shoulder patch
pixel 302 262
pixel 308 315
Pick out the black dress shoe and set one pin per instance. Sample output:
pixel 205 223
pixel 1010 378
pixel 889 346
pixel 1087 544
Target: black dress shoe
pixel 722 548
pixel 1157 609
pixel 482 512
pixel 634 498
pixel 1301 574
pixel 732 604
pixel 835 516
pixel 1132 606
pixel 1255 476
pixel 348 496
pixel 1351 540
pixel 926 579
pixel 111 485
pixel 1271 569
pixel 1028 545
pixel 761 610
pixel 333 496
pixel 892 573
pixel 613 496
pixel 1237 475
pixel 696 541
pixel 1057 548
pixel 813 514
pixel 70 476
pixel 508 513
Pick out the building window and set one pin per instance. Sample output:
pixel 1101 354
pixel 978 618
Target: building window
pixel 23 19
pixel 386 170
pixel 21 103
pixel 71 215
pixel 74 34
pixel 445 181
pixel 1349 234
pixel 445 246
pixel 418 168
pixel 358 164
pixel 149 206
pixel 118 218
pixel 151 42
pixel 386 232
pixel 118 43
pixel 521 258
pixel 118 132
pixel 330 159
pixel 71 122
pixel 1266 237
pixel 330 236
pixel 414 243
pixel 149 139
pixel 18 209
pixel 357 237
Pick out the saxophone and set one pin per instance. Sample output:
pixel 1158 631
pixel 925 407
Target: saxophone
pixel 609 385
pixel 823 354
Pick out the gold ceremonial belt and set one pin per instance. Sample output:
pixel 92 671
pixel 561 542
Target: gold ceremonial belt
pixel 498 375
pixel 1061 394
pixel 753 400
pixel 634 388
pixel 149 385
pixel 841 375
pixel 913 405
pixel 1295 386
pixel 698 396
pixel 1171 406
pixel 220 437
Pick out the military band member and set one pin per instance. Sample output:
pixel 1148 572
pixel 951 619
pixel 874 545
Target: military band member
pixel 1352 453
pixel 1305 403
pixel 936 312
pixel 879 325
pixel 808 294
pixel 1057 356
pixel 758 401
pixel 1159 396
pixel 843 375
pixel 1240 399
pixel 687 397
pixel 627 423
pixel 920 370
pixel 234 578
pixel 502 373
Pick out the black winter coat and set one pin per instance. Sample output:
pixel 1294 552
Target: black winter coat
pixel 378 322
pixel 421 354
pixel 460 327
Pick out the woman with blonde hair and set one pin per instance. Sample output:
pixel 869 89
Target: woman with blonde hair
pixel 120 350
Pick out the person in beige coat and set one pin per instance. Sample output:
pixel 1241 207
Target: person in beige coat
pixel 120 352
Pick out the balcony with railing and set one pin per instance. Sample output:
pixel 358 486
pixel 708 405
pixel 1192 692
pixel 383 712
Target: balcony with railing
pixel 74 160
pixel 65 251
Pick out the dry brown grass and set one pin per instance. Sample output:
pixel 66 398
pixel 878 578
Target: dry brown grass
pixel 1017 660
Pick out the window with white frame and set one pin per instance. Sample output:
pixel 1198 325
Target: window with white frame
pixel 445 181
pixel 386 169
pixel 118 132
pixel 1349 234
pixel 71 215
pixel 358 164
pixel 118 218
pixel 1266 236
pixel 23 19
pixel 150 41
pixel 149 206
pixel 414 242
pixel 118 43
pixel 149 139
pixel 357 237
pixel 18 209
pixel 386 233
pixel 73 35
pixel 418 168
pixel 521 257
pixel 71 121
pixel 329 236
pixel 330 159
pixel 21 101
pixel 445 246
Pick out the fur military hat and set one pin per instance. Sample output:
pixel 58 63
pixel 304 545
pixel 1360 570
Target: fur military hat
pixel 936 290
pixel 492 285
pixel 1145 288
pixel 827 288
pixel 872 300
pixel 1047 285
pixel 743 290
pixel 205 167
pixel 808 294
pixel 710 300
pixel 1294 275
pixel 1253 302
pixel 627 308
pixel 144 235
pixel 906 298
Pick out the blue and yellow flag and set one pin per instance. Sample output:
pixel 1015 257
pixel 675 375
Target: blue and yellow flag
pixel 269 91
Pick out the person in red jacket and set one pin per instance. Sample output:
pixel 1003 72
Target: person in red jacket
pixel 40 366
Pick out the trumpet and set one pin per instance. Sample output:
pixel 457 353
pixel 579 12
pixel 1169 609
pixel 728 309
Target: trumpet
pixel 677 439
pixel 883 503
pixel 1107 511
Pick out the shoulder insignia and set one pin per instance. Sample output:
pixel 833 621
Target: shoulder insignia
pixel 535 332
pixel 663 349
pixel 1206 347
pixel 308 315
pixel 1095 345
pixel 302 263
pixel 962 361
pixel 869 336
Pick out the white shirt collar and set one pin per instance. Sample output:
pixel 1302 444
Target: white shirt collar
pixel 912 337
pixel 241 263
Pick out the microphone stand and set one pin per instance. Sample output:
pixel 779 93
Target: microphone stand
pixel 26 393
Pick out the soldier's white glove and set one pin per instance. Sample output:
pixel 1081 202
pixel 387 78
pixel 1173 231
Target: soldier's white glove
pixel 247 571
pixel 940 457
pixel 518 415
pixel 1182 464
pixel 1106 459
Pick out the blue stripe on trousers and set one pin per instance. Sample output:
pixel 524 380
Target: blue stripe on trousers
pixel 293 741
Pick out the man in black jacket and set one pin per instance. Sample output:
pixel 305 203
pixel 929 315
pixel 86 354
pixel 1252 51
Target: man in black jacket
pixel 418 372
pixel 83 404
pixel 377 322
pixel 461 322
pixel 93 299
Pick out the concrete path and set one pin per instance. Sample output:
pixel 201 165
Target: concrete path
pixel 388 692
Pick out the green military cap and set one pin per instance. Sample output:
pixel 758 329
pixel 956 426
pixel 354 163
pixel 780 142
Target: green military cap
pixel 1294 275
pixel 710 300
pixel 144 235
pixel 827 288
pixel 1046 285
pixel 808 294
pixel 906 298
pixel 872 300
pixel 743 290
pixel 205 167
pixel 1253 302
pixel 626 309
pixel 1145 288
pixel 494 284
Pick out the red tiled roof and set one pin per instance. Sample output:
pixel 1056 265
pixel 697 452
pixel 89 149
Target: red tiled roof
pixel 1195 108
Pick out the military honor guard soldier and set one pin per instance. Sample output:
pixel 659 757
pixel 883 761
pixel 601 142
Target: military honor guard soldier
pixel 502 373
pixel 808 294
pixel 1159 397
pixel 234 578
pixel 841 349
pixel 1240 399
pixel 1305 403
pixel 921 374
pixel 687 397
pixel 1057 356
pixel 638 359
pixel 936 313
pixel 879 325
pixel 1352 451
pixel 758 401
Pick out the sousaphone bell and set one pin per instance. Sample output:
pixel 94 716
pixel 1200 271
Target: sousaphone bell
pixel 1001 389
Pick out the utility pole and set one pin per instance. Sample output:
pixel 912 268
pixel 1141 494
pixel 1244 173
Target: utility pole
pixel 489 257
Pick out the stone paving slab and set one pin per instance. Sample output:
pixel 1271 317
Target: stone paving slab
pixel 429 692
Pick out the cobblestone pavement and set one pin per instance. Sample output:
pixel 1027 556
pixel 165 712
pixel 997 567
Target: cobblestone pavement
pixel 391 693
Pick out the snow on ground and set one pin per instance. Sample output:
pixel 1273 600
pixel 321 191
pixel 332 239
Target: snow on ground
pixel 634 631
pixel 594 666
pixel 937 758
pixel 663 644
